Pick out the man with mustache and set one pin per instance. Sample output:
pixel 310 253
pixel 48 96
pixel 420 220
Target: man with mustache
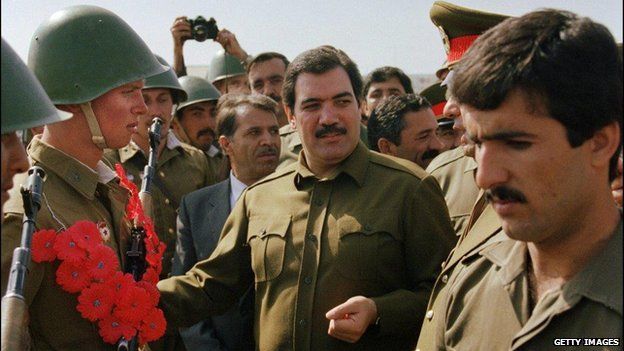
pixel 194 121
pixel 336 262
pixel 379 85
pixel 248 134
pixel 79 186
pixel 266 76
pixel 547 132
pixel 436 95
pixel 405 126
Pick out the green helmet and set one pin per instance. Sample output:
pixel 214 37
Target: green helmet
pixel 24 102
pixel 167 80
pixel 198 89
pixel 84 51
pixel 224 66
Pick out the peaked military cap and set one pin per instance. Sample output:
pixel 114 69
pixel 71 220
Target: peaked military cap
pixel 436 95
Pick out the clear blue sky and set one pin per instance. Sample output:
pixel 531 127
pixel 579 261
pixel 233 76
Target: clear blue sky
pixel 374 33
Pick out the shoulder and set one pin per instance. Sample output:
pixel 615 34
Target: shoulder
pixel 446 159
pixel 280 174
pixel 286 130
pixel 193 152
pixel 201 195
pixel 397 165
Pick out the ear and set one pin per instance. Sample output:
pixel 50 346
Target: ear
pixel 604 144
pixel 290 116
pixel 224 142
pixel 386 147
pixel 364 108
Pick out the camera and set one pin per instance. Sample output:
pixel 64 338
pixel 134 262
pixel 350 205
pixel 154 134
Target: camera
pixel 202 29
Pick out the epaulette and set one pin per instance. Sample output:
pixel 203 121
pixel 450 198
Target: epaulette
pixel 397 163
pixel 445 158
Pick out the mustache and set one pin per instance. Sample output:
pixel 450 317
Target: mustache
pixel 267 151
pixel 430 154
pixel 504 193
pixel 329 129
pixel 205 131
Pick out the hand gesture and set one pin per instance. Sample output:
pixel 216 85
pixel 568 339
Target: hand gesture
pixel 349 321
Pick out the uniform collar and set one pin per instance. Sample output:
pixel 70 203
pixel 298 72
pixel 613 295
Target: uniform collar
pixel 355 166
pixel 132 149
pixel 75 173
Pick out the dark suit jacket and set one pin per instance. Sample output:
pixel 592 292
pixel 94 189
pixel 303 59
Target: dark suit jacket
pixel 201 217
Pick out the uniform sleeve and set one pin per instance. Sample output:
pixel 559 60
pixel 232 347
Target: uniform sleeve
pixel 213 285
pixel 185 256
pixel 428 240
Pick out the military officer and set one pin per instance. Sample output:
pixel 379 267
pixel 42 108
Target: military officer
pixel 79 185
pixel 459 27
pixel 181 168
pixel 436 95
pixel 548 133
pixel 24 105
pixel 334 259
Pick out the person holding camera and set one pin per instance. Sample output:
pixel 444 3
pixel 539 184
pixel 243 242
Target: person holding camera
pixel 227 69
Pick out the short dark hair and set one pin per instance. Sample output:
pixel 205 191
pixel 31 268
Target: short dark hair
pixel 386 120
pixel 317 61
pixel 266 56
pixel 384 74
pixel 568 63
pixel 227 109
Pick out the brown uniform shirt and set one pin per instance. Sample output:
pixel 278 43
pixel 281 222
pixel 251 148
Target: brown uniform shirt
pixel 181 169
pixel 455 173
pixel 72 192
pixel 377 227
pixel 488 308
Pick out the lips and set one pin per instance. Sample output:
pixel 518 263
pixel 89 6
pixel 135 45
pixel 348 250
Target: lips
pixel 132 127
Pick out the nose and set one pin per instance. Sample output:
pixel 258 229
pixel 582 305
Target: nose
pixel 451 110
pixel 18 161
pixel 139 108
pixel 328 115
pixel 491 170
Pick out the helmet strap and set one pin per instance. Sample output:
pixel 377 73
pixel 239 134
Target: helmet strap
pixel 96 133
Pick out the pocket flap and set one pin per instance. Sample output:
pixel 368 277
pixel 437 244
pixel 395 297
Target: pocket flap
pixel 263 226
pixel 373 222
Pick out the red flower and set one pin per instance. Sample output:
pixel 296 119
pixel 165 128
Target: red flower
pixel 113 328
pixel 119 283
pixel 72 277
pixel 95 302
pixel 43 246
pixel 102 262
pixel 85 234
pixel 133 305
pixel 67 248
pixel 151 276
pixel 152 326
pixel 152 291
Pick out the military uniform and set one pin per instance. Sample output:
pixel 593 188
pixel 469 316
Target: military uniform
pixel 310 244
pixel 71 192
pixel 587 306
pixel 455 173
pixel 216 163
pixel 181 169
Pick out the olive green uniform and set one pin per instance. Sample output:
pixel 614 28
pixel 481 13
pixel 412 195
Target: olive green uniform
pixel 291 144
pixel 455 173
pixel 181 169
pixel 311 244
pixel 71 192
pixel 216 163
pixel 488 307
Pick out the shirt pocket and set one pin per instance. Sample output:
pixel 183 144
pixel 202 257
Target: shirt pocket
pixel 266 238
pixel 368 246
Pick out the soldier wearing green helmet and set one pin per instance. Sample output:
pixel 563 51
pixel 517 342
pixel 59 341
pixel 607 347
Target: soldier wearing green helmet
pixel 181 168
pixel 227 74
pixel 92 64
pixel 24 105
pixel 195 121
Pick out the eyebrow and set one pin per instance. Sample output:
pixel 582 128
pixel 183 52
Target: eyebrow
pixel 337 96
pixel 504 135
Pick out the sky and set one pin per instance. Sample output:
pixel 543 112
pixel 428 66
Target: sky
pixel 373 33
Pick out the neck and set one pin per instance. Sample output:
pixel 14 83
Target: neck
pixel 79 146
pixel 245 179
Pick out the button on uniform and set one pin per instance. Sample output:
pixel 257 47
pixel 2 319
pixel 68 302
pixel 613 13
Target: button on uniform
pixel 445 278
pixel 429 315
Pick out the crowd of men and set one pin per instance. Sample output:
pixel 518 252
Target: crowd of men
pixel 306 207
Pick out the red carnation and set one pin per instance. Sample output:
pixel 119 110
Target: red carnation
pixel 152 326
pixel 113 328
pixel 119 283
pixel 102 262
pixel 152 291
pixel 72 277
pixel 133 305
pixel 67 248
pixel 85 234
pixel 151 276
pixel 43 246
pixel 95 302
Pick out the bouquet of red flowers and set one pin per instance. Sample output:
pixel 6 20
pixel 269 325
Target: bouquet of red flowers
pixel 120 305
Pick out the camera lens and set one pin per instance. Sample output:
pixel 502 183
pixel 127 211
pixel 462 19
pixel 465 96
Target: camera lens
pixel 199 33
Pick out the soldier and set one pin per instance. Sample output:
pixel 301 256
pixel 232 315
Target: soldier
pixel 380 84
pixel 79 185
pixel 454 170
pixel 194 122
pixel 404 126
pixel 547 131
pixel 436 95
pixel 334 259
pixel 248 133
pixel 266 76
pixel 181 168
pixel 24 105
pixel 227 73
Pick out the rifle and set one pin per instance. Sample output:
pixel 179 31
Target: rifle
pixel 14 308
pixel 135 256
